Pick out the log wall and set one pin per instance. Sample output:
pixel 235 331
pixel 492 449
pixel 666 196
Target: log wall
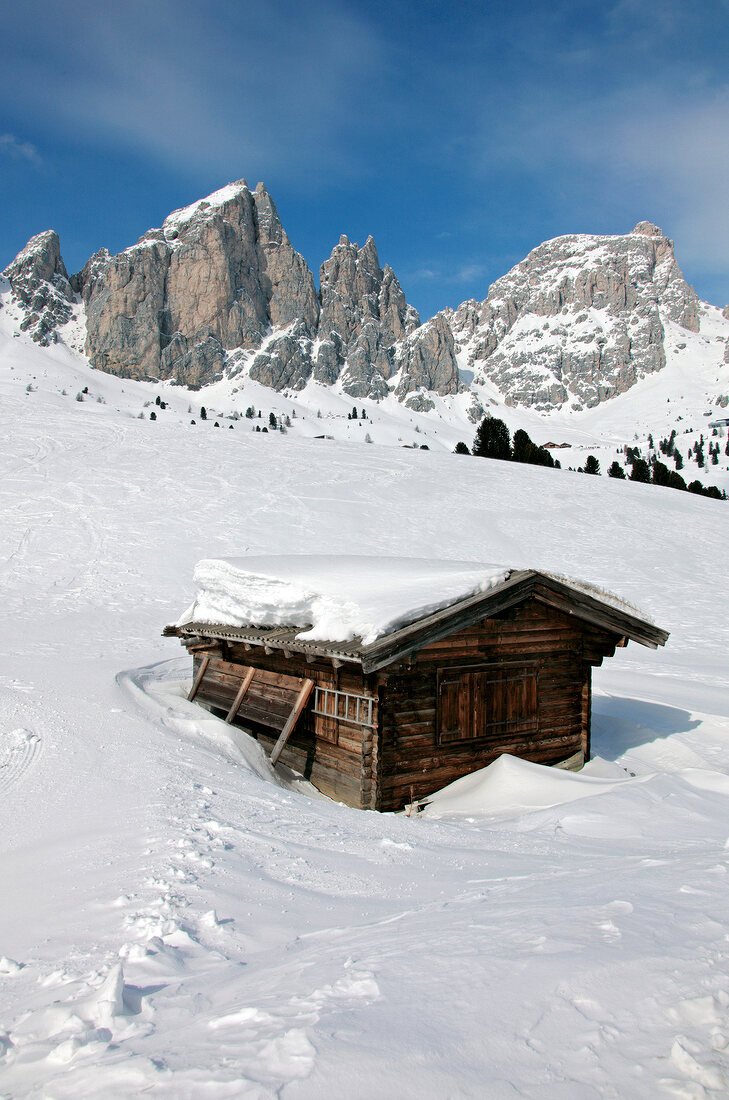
pixel 557 647
pixel 340 758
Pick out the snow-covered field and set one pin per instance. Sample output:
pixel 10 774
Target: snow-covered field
pixel 177 921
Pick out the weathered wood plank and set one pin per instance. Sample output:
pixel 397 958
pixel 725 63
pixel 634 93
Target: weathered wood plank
pixel 293 718
pixel 245 684
pixel 199 678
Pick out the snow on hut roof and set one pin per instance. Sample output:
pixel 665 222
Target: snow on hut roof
pixel 333 597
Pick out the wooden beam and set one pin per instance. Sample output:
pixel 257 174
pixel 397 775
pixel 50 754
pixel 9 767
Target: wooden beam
pixel 299 705
pixel 442 624
pixel 198 679
pixel 244 685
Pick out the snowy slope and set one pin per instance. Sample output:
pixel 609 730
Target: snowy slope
pixel 180 922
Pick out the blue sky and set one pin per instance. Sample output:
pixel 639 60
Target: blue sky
pixel 460 135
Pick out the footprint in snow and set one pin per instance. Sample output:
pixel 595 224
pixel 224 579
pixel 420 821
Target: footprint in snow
pixel 85 1022
pixel 9 966
pixel 695 1058
pixel 708 1076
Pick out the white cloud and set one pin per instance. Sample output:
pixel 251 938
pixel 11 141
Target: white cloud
pixel 422 274
pixel 19 150
pixel 207 87
pixel 468 272
pixel 643 151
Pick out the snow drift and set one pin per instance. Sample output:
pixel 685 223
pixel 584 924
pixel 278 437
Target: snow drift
pixel 332 597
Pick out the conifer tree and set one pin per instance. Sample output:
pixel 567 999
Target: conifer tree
pixel 522 447
pixel 641 471
pixel 492 439
pixel 524 450
pixel 660 474
pixel 616 470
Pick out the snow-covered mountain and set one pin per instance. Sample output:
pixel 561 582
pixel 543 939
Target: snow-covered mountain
pixel 218 292
pixel 580 320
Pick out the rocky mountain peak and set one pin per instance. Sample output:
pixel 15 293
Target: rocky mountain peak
pixel 363 315
pixel 40 285
pixel 428 362
pixel 218 286
pixel 647 229
pixel 579 320
pixel 41 256
pixel 217 276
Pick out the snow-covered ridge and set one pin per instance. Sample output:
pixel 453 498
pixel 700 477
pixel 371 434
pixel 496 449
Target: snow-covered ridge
pixel 581 320
pixel 185 214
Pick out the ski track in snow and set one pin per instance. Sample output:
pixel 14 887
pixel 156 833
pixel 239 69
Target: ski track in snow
pixel 18 750
pixel 181 924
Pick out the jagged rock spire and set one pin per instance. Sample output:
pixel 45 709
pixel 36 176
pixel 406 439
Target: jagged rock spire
pixel 363 315
pixel 39 282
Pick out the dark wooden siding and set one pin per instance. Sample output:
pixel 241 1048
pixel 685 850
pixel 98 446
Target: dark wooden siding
pixel 510 647
pixel 339 757
pixel 530 667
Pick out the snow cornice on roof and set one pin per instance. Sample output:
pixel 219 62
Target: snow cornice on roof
pixel 561 595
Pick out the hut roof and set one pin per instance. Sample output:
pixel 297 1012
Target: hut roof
pixel 374 611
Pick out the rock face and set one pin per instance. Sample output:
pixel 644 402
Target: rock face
pixel 221 276
pixel 579 320
pixel 363 316
pixel 428 362
pixel 220 288
pixel 40 285
pixel 286 362
pixel 217 276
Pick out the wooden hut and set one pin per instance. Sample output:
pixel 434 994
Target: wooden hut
pixel 376 725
